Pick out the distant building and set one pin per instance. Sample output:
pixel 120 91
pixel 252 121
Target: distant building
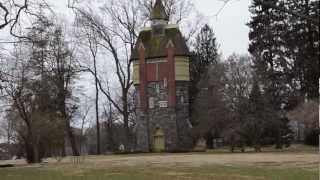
pixel 161 78
pixel 298 130
pixel 7 151
pixel 4 154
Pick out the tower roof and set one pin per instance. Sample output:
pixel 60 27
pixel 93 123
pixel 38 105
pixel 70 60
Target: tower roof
pixel 156 46
pixel 158 11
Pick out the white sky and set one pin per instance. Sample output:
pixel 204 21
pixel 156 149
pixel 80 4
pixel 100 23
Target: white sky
pixel 229 25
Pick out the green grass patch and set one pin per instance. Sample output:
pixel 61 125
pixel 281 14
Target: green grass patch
pixel 208 172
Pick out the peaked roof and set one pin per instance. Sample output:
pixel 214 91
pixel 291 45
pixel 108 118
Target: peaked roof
pixel 156 46
pixel 158 11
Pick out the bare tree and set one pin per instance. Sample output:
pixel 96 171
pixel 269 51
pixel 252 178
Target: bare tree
pixel 109 116
pixel 11 11
pixel 239 81
pixel 38 86
pixel 16 15
pixel 118 37
pixel 307 113
pixel 92 44
pixel 63 69
pixel 83 113
pixel 239 76
pixel 18 91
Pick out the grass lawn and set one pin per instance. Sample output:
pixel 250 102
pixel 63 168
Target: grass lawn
pixel 211 172
pixel 195 166
pixel 153 173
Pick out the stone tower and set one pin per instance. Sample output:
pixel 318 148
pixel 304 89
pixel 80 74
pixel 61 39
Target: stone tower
pixel 161 77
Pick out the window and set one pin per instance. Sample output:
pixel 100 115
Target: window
pixel 158 88
pixel 163 104
pixel 151 102
pixel 165 83
pixel 182 99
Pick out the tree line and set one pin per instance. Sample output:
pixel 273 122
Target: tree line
pixel 247 100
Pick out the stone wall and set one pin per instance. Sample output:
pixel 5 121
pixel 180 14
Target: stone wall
pixel 174 121
pixel 183 116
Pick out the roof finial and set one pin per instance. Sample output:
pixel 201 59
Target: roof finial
pixel 159 12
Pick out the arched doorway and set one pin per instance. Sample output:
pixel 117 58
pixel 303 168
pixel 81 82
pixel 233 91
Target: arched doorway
pixel 158 140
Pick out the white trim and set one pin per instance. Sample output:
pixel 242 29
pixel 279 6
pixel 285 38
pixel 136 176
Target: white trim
pixel 141 46
pixel 170 44
pixel 152 61
pixel 172 26
pixel 146 29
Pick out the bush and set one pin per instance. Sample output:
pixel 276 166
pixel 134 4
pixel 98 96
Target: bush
pixel 312 137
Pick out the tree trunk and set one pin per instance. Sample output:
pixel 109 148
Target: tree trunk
pixel 29 151
pixel 312 72
pixel 72 139
pixel 126 120
pixel 126 131
pixel 36 155
pixel 62 109
pixel 32 149
pixel 209 140
pixel 111 143
pixel 97 116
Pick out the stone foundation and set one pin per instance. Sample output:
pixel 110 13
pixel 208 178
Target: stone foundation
pixel 173 121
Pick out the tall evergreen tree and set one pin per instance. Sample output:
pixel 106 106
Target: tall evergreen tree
pixel 285 47
pixel 210 110
pixel 302 42
pixel 267 47
pixel 205 51
pixel 207 83
pixel 204 55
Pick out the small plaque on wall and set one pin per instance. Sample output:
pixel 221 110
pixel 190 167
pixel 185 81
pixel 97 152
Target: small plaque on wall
pixel 163 104
pixel 151 103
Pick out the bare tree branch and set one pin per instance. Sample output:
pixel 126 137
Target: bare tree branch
pixel 6 18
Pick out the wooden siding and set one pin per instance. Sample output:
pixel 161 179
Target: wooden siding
pixel 182 69
pixel 136 74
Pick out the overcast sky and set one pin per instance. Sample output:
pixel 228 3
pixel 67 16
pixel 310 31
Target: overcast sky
pixel 229 25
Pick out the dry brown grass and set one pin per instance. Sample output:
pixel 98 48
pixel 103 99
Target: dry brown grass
pixel 217 165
